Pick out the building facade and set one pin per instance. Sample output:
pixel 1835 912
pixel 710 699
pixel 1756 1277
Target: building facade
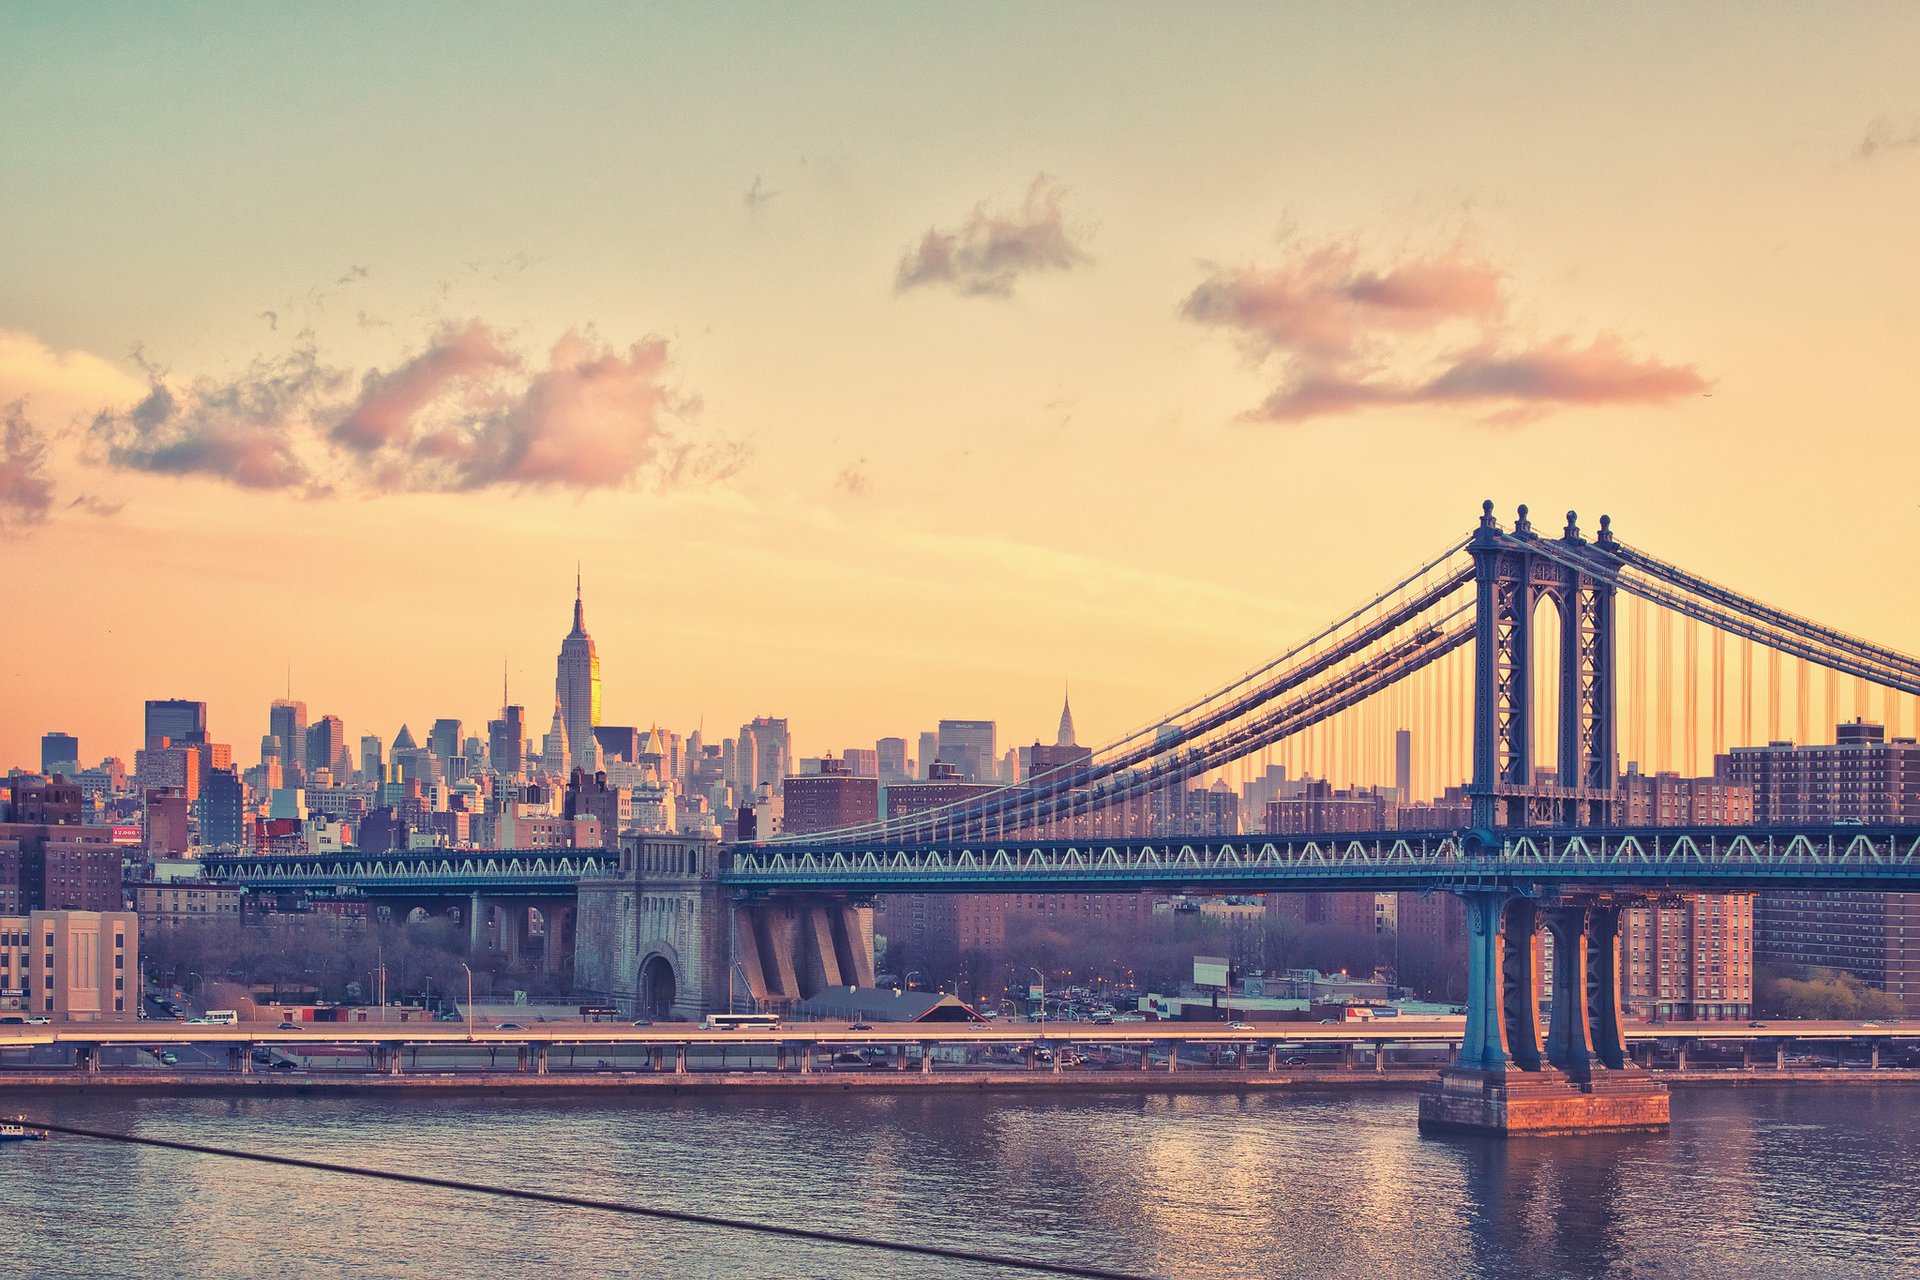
pixel 78 965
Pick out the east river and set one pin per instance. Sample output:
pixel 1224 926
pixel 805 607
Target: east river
pixel 1787 1181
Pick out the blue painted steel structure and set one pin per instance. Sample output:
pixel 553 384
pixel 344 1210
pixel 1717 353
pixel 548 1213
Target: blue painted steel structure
pixel 542 873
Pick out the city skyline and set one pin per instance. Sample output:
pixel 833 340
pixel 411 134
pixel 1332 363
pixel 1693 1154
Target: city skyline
pixel 1185 300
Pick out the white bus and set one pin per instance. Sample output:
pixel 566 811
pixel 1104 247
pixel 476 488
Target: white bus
pixel 741 1022
pixel 216 1017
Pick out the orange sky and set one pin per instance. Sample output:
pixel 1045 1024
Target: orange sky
pixel 887 366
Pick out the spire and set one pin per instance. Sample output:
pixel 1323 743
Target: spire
pixel 579 607
pixel 1066 719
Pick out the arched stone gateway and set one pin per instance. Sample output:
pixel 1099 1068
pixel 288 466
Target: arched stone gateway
pixel 658 987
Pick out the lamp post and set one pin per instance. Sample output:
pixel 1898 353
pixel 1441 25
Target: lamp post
pixel 469 969
pixel 1043 996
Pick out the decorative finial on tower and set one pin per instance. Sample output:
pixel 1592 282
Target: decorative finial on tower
pixel 1486 515
pixel 1606 531
pixel 1521 525
pixel 1572 532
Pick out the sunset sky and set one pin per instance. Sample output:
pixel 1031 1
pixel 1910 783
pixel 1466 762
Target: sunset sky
pixel 882 363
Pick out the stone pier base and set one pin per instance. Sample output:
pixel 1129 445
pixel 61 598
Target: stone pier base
pixel 1542 1102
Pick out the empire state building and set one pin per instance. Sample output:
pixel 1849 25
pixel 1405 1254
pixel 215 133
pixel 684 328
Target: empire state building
pixel 578 689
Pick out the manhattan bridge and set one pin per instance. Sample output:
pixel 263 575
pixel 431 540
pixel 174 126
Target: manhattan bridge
pixel 1522 657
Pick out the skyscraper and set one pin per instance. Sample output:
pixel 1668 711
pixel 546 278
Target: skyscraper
pixel 177 721
pixel 445 738
pixel 969 745
pixel 327 745
pixel 59 753
pixel 287 722
pixel 577 688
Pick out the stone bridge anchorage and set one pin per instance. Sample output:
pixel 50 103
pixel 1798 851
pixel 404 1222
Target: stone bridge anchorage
pixel 661 933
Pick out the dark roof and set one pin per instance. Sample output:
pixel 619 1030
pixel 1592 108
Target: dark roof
pixel 885 1004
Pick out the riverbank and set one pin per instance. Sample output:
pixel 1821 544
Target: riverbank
pixel 601 1083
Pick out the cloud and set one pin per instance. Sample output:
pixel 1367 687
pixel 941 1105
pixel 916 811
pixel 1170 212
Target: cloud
pixel 61 385
pixel 27 487
pixel 467 412
pixel 989 252
pixel 1884 135
pixel 246 430
pixel 388 402
pixel 758 197
pixel 1346 332
pixel 26 490
pixel 852 480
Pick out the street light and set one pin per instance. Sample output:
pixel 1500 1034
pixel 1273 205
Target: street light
pixel 1043 995
pixel 469 969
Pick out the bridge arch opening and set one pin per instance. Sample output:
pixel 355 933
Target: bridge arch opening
pixel 658 987
pixel 1548 627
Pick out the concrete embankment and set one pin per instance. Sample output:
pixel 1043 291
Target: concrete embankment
pixel 605 1082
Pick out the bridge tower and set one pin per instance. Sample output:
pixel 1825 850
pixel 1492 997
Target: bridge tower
pixel 1509 1077
pixel 1513 577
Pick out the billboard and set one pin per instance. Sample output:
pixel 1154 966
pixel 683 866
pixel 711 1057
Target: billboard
pixel 1035 993
pixel 126 835
pixel 1209 971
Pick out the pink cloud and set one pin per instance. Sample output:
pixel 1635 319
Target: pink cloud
pixel 1346 335
pixel 466 413
pixel 389 401
pixel 1322 304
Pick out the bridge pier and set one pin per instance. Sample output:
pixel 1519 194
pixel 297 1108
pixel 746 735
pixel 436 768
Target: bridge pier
pixel 1504 1080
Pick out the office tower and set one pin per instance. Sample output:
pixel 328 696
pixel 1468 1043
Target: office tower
pixel 445 739
pixel 327 744
pixel 175 721
pixel 506 741
pixel 287 722
pixel 372 768
pixel 969 745
pixel 929 752
pixel 772 751
pixel 59 753
pixel 577 688
pixel 1403 765
pixel 892 756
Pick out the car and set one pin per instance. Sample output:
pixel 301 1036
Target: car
pixel 859 1026
pixel 288 1026
pixel 446 1015
pixel 1043 1055
pixel 1295 1061
pixel 12 1020
pixel 171 1058
pixel 643 1022
pixel 509 1026
pixel 1756 1024
pixel 35 1020
pixel 1874 1025
pixel 1329 1022
pixel 853 1060
pixel 283 1064
pixel 1239 1026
